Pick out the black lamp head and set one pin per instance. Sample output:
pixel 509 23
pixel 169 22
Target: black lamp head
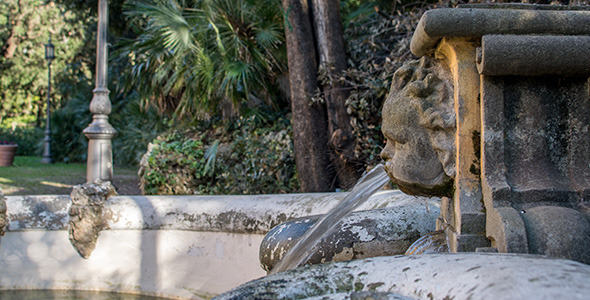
pixel 49 51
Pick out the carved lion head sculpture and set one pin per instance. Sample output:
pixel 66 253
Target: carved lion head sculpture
pixel 419 125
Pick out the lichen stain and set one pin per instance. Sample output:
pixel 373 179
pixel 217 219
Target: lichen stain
pixel 3 220
pixel 474 268
pixel 345 254
pixel 534 279
pixel 374 286
pixel 41 213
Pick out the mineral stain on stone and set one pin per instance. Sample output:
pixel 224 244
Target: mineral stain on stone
pixel 358 286
pixel 374 286
pixel 475 168
pixel 474 268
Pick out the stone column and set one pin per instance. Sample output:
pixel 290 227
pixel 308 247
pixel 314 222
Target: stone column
pixel 520 75
pixel 464 220
pixel 100 132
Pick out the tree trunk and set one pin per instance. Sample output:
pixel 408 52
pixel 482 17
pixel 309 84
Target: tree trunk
pixel 15 20
pixel 310 126
pixel 9 46
pixel 332 57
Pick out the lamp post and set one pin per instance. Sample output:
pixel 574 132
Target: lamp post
pixel 49 56
pixel 99 164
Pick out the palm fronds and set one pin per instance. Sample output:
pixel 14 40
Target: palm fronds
pixel 192 56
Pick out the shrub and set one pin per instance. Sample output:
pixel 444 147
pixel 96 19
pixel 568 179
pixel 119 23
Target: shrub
pixel 260 160
pixel 70 145
pixel 173 165
pixel 28 139
pixel 244 159
pixel 136 127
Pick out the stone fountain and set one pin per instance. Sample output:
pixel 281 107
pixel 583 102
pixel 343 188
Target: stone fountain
pixel 494 119
pixel 180 247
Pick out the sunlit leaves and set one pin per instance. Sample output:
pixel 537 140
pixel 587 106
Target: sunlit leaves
pixel 25 27
pixel 206 53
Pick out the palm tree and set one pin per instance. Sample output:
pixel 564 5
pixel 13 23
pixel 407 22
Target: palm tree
pixel 192 57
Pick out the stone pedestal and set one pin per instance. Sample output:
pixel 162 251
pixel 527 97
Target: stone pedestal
pixel 520 76
pixel 100 154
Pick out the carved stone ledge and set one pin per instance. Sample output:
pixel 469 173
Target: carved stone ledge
pixel 86 217
pixel 477 20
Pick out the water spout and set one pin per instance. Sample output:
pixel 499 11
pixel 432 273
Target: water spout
pixel 304 249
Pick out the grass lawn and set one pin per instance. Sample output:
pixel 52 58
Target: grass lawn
pixel 28 176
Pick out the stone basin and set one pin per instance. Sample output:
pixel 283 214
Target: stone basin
pixel 432 276
pixel 182 247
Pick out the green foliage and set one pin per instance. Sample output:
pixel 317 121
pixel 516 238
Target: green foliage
pixel 25 27
pixel 248 158
pixel 69 143
pixel 18 130
pixel 29 140
pixel 174 165
pixel 195 58
pixel 136 127
pixel 17 121
pixel 261 160
pixel 253 158
pixel 377 44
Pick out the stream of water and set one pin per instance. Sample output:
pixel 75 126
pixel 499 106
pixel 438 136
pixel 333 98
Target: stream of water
pixel 306 246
